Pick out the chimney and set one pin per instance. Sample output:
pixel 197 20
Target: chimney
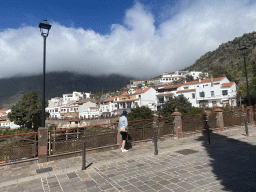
pixel 199 80
pixel 211 81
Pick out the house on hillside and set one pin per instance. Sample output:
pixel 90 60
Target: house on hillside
pixel 4 112
pixel 196 74
pixel 170 77
pixel 6 123
pixel 88 109
pixel 147 97
pixel 75 96
pixel 214 92
pixel 108 107
pixel 165 93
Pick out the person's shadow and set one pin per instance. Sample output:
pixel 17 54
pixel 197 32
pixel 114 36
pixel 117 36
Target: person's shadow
pixel 233 162
pixel 128 144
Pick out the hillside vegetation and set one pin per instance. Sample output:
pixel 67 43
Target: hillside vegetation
pixel 228 60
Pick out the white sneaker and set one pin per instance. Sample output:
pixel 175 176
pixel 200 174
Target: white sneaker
pixel 124 150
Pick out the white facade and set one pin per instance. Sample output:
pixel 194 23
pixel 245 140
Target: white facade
pixel 170 77
pixel 109 107
pixel 9 124
pixel 215 92
pixel 88 110
pixel 195 74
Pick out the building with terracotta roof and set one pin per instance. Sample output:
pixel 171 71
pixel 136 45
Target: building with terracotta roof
pixel 214 92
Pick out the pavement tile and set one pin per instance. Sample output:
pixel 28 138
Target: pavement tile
pixel 105 186
pixel 144 188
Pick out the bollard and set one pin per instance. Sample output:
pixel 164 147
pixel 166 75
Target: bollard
pixel 155 142
pixel 246 127
pixel 83 157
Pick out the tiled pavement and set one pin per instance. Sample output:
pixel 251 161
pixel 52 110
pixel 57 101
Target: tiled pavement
pixel 188 164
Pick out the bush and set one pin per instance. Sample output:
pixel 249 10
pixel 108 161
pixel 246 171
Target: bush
pixel 140 113
pixel 195 110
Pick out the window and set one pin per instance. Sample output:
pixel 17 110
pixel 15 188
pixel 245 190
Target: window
pixel 193 95
pixel 212 93
pixel 193 73
pixel 201 94
pixel 185 87
pixel 224 92
pixel 216 83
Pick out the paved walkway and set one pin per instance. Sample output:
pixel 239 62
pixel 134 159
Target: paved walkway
pixel 188 164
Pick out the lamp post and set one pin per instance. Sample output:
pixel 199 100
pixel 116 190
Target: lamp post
pixel 248 94
pixel 44 29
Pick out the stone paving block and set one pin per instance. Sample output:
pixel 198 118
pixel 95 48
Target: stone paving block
pixel 90 183
pixel 186 185
pixel 56 189
pixel 105 186
pixel 144 188
pixel 180 190
pixel 68 188
pixel 112 190
pixel 157 187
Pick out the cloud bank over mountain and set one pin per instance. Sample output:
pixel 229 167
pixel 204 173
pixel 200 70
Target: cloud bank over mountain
pixel 144 45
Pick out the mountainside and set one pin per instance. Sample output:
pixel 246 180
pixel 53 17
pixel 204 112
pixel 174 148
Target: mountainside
pixel 57 83
pixel 228 59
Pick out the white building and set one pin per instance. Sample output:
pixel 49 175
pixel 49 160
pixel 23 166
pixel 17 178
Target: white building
pixel 214 92
pixel 195 74
pixel 170 77
pixel 8 124
pixel 88 110
pixel 75 96
pixel 109 108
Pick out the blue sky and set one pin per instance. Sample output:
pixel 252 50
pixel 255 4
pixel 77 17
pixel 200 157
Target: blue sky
pixel 142 38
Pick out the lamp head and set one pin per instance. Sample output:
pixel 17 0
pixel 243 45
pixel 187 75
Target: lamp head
pixel 44 28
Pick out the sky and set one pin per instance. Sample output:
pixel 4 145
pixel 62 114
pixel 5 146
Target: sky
pixel 140 38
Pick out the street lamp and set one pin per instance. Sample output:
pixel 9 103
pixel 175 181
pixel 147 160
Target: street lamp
pixel 44 29
pixel 248 94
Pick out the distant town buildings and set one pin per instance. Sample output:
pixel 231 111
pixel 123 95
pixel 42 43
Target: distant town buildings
pixel 200 92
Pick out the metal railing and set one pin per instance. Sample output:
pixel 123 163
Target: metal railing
pixel 235 117
pixel 18 147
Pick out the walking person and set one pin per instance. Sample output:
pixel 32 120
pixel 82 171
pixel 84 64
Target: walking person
pixel 123 129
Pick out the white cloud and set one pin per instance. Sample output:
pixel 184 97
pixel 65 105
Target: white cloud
pixel 137 47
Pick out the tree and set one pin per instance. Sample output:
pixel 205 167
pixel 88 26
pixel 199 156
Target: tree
pixel 180 102
pixel 28 111
pixel 139 113
pixel 139 86
pixel 189 78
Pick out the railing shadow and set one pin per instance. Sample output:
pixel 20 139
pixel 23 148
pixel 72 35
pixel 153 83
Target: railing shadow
pixel 233 162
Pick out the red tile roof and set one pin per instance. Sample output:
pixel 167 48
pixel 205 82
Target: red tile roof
pixel 171 86
pixel 5 121
pixel 126 100
pixel 185 90
pixel 110 99
pixel 164 94
pixel 139 91
pixel 204 81
pixel 227 84
pixel 92 107
pixel 124 94
pixel 106 103
pixel 3 111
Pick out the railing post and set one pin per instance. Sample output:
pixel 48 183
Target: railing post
pixel 219 117
pixel 251 114
pixel 177 124
pixel 42 144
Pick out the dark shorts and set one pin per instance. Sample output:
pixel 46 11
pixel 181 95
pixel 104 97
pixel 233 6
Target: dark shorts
pixel 124 135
